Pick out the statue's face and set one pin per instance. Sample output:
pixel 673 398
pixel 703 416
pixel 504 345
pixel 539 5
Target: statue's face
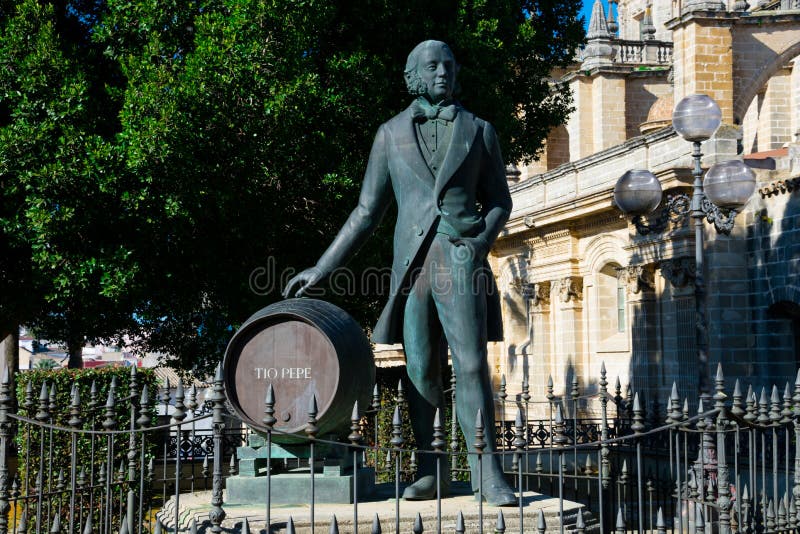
pixel 437 68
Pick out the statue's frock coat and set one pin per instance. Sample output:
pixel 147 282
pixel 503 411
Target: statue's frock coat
pixel 471 175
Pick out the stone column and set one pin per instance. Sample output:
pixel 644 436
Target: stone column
pixel 570 347
pixel 775 118
pixel 678 320
pixel 646 364
pixel 541 361
pixel 795 100
pixel 608 104
pixel 580 124
pixel 607 86
pixel 703 55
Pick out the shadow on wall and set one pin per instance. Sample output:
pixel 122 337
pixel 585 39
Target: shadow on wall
pixel 773 238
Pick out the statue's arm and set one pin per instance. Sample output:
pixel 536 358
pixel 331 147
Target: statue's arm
pixel 493 191
pixel 373 201
pixel 372 204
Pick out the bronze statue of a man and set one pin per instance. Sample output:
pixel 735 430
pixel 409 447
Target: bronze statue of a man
pixel 443 166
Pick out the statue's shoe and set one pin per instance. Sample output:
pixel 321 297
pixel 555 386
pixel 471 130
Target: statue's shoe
pixel 497 492
pixel 425 488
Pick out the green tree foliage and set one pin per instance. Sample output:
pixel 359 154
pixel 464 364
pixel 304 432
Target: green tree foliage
pixel 61 223
pixel 53 390
pixel 46 364
pixel 154 156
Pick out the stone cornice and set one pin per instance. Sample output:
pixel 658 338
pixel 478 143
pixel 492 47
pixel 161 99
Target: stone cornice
pixel 735 17
pixel 703 15
pixel 614 70
pixel 780 187
pixel 589 161
pixel 772 17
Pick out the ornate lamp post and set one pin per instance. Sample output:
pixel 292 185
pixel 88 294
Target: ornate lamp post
pixel 718 199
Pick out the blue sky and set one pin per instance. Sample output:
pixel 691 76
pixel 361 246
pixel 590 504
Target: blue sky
pixel 586 11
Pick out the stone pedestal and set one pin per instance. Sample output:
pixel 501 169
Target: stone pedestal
pixel 333 475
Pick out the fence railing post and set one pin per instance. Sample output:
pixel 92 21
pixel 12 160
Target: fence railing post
pixel 217 514
pixel 5 439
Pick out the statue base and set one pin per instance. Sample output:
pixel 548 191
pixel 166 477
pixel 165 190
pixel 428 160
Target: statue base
pixel 334 475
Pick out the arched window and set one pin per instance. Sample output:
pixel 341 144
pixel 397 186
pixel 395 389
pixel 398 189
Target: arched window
pixel 611 301
pixel 620 304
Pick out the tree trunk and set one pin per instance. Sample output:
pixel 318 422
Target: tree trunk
pixel 75 350
pixel 9 352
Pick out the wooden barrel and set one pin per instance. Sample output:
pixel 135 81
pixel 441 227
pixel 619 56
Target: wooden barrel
pixel 303 347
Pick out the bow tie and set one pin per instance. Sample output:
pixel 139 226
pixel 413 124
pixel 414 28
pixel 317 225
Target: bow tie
pixel 422 111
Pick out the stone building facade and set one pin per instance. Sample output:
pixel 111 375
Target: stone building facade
pixel 580 287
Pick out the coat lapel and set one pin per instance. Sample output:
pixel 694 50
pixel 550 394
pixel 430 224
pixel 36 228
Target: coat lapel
pixel 409 149
pixel 464 131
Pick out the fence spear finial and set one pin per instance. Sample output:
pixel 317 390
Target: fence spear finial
pixel 397 429
pixel 480 442
pixel 541 525
pixel 763 408
pixel 500 525
pixel 109 423
pixel 418 528
pixel 786 413
pixel 43 414
pixel 737 407
pixel 661 525
pixel 75 409
pixel 638 417
pixel 775 406
pixel 401 396
pixel 311 428
pixel 796 396
pixel 376 525
pixel 620 522
pixel 376 399
pixel 580 525
pixel 460 529
pixel 675 403
pixel 355 436
pixel 771 515
pixel 334 528
pixel 144 413
pixel 269 408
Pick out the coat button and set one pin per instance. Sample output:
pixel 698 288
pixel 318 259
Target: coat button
pixel 419 230
pixel 406 262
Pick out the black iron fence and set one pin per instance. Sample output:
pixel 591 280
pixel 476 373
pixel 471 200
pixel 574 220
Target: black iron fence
pixel 730 467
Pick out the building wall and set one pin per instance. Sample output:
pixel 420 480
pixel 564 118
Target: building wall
pixel 773 271
pixel 578 266
pixel 641 92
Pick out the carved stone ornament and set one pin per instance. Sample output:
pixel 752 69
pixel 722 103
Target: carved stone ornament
pixel 679 271
pixel 639 278
pixel 570 287
pixel 540 295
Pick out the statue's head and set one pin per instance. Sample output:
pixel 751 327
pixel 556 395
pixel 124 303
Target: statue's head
pixel 431 70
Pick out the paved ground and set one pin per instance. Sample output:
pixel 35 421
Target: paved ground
pixel 382 503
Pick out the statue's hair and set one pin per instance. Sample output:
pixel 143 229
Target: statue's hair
pixel 414 83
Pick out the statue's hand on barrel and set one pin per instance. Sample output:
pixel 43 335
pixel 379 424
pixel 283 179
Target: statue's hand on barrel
pixel 306 280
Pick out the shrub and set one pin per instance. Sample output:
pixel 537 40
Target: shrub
pixel 45 453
